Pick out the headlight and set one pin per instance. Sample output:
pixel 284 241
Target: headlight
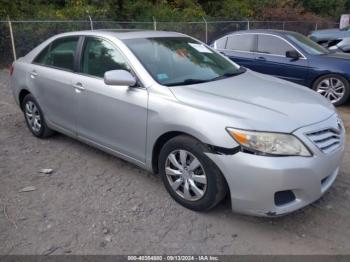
pixel 264 143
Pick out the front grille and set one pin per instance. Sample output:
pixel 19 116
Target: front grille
pixel 326 140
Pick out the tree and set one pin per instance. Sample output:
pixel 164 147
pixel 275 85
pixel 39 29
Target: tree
pixel 329 8
pixel 175 10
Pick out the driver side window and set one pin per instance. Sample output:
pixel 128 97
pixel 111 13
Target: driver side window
pixel 269 44
pixel 99 56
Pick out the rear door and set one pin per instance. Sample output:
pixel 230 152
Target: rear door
pixel 270 58
pixel 51 81
pixel 239 49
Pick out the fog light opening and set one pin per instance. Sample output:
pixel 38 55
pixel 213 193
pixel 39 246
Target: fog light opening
pixel 324 180
pixel 284 197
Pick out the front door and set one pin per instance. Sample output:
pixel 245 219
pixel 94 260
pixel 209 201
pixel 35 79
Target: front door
pixel 270 58
pixel 112 116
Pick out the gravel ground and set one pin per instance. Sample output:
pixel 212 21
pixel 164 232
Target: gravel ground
pixel 94 203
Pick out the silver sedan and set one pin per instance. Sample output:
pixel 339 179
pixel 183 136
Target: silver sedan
pixel 170 104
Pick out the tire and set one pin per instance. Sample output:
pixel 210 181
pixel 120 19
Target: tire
pixel 327 86
pixel 35 118
pixel 213 187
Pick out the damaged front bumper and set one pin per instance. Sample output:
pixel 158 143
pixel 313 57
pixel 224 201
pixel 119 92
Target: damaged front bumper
pixel 274 186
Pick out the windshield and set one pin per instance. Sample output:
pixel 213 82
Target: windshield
pixel 180 60
pixel 307 44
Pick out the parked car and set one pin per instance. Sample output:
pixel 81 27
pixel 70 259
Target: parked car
pixel 333 39
pixel 168 103
pixel 343 45
pixel 290 56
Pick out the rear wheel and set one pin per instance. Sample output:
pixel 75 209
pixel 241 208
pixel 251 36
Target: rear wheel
pixel 189 176
pixel 333 87
pixel 34 117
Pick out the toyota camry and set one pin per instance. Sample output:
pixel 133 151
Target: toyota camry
pixel 172 105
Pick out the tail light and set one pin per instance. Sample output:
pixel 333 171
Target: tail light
pixel 11 70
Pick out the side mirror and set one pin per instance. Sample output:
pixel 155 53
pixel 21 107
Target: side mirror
pixel 293 54
pixel 119 78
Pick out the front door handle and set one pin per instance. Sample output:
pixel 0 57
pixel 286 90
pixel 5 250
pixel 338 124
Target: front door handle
pixel 261 58
pixel 33 74
pixel 79 87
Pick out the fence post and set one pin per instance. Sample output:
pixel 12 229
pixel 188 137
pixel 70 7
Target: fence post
pixel 284 25
pixel 154 23
pixel 316 26
pixel 12 39
pixel 206 30
pixel 248 25
pixel 91 24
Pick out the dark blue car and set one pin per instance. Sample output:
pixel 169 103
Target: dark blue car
pixel 290 56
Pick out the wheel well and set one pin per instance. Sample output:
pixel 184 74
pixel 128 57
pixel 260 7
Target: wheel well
pixel 159 145
pixel 165 138
pixel 21 96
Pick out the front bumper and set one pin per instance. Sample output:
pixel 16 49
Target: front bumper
pixel 254 180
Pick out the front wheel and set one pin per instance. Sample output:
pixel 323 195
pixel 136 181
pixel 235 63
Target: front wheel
pixel 189 176
pixel 333 87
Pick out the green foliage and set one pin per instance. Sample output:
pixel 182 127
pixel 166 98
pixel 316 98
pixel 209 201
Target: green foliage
pixel 144 10
pixel 230 8
pixel 165 10
pixel 330 8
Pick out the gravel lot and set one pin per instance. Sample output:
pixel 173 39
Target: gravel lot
pixel 94 203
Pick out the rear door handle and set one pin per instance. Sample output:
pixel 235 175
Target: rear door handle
pixel 79 87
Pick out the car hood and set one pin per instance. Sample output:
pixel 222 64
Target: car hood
pixel 329 34
pixel 337 61
pixel 258 102
pixel 327 31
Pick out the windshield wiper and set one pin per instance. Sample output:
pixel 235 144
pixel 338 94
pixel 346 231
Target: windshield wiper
pixel 191 81
pixel 188 81
pixel 229 74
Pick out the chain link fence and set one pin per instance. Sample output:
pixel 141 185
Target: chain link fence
pixel 28 34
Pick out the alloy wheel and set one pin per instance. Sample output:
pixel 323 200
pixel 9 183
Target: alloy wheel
pixel 332 88
pixel 186 175
pixel 33 116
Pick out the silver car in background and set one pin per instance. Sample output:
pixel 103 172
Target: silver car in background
pixel 334 39
pixel 170 104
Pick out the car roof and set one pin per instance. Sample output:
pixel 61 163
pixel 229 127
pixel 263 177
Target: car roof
pixel 125 34
pixel 262 31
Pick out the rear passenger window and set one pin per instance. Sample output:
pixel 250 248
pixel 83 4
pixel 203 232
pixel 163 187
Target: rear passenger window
pixel 221 43
pixel 241 42
pixel 269 44
pixel 100 56
pixel 60 53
